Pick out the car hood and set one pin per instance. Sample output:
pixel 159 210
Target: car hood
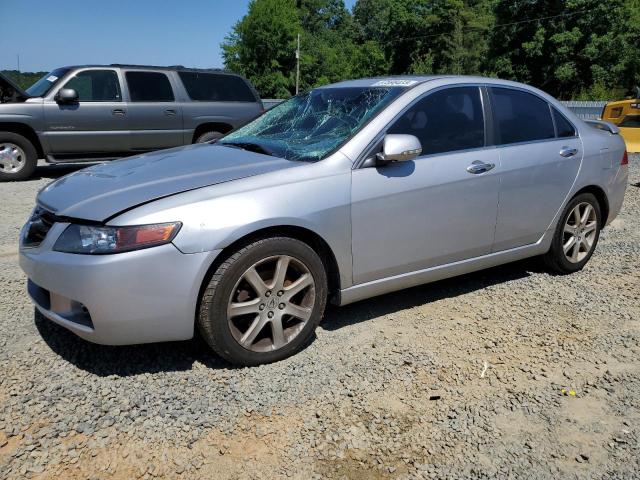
pixel 11 90
pixel 98 193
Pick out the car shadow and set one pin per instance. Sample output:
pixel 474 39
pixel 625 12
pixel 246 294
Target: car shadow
pixel 340 317
pixel 180 356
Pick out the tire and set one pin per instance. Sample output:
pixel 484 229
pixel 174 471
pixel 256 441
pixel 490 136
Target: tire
pixel 224 326
pixel 208 137
pixel 588 234
pixel 18 157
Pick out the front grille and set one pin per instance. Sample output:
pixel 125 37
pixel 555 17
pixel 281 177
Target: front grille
pixel 38 226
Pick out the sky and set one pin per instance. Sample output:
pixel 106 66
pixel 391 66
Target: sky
pixel 47 34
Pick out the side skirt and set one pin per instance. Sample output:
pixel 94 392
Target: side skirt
pixel 433 274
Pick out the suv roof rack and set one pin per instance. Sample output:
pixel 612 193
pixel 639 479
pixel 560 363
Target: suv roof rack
pixel 169 67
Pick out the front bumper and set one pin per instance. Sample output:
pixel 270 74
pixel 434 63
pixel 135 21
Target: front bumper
pixel 142 296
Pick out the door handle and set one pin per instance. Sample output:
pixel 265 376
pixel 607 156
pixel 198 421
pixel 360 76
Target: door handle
pixel 568 152
pixel 117 111
pixel 479 167
pixel 169 112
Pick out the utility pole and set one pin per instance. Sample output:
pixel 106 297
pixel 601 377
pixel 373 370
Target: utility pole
pixel 298 66
pixel 18 57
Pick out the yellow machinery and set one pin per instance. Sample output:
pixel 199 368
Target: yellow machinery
pixel 626 115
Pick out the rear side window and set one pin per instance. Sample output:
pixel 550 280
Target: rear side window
pixel 96 86
pixel 563 126
pixel 149 87
pixel 445 121
pixel 520 116
pixel 210 87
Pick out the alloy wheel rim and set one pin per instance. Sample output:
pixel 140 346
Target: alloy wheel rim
pixel 579 232
pixel 271 303
pixel 12 158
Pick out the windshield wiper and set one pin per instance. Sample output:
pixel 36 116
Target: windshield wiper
pixel 252 147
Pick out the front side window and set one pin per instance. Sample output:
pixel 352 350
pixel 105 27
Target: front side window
pixel 312 125
pixel 96 86
pixel 520 116
pixel 630 121
pixel 211 87
pixel 563 126
pixel 149 87
pixel 445 121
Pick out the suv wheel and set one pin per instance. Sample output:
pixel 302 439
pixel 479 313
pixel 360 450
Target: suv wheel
pixel 576 235
pixel 18 157
pixel 208 137
pixel 264 302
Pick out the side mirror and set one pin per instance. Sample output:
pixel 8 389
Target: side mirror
pixel 66 95
pixel 399 148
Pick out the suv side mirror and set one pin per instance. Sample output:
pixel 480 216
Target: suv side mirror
pixel 66 95
pixel 399 148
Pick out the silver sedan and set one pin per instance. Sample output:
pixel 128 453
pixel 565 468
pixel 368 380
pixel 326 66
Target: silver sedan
pixel 341 193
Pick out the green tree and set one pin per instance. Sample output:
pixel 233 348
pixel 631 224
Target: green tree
pixel 585 48
pixel 262 46
pixel 428 36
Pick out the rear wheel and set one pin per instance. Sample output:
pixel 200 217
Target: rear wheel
pixel 576 235
pixel 18 157
pixel 208 137
pixel 264 302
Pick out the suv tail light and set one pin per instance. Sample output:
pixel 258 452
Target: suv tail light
pixel 625 158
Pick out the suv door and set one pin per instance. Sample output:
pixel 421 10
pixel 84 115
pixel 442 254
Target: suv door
pixel 540 154
pixel 96 123
pixel 412 215
pixel 155 117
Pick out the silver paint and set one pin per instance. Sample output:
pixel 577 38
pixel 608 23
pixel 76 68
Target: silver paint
pixel 388 227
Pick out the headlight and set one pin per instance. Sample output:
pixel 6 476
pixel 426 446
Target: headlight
pixel 98 240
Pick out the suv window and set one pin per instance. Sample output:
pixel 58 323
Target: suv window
pixel 564 128
pixel 96 86
pixel 210 87
pixel 445 121
pixel 520 116
pixel 149 87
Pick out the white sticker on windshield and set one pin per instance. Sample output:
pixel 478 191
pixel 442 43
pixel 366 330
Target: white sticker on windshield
pixel 51 78
pixel 395 83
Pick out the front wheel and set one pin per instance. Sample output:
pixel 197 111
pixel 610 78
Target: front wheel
pixel 576 235
pixel 264 302
pixel 18 157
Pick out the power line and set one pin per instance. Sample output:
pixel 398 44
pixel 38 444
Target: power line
pixel 499 25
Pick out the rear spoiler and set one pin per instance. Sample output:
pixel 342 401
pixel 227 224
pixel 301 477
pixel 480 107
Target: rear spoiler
pixel 602 125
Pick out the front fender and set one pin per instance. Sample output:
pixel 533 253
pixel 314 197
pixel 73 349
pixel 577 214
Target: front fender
pixel 315 197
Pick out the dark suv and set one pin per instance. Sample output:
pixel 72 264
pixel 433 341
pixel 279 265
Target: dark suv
pixel 98 112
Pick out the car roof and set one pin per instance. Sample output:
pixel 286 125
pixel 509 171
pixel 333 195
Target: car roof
pixel 412 80
pixel 172 68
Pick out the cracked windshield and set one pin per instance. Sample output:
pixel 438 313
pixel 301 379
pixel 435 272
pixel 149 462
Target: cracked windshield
pixel 310 126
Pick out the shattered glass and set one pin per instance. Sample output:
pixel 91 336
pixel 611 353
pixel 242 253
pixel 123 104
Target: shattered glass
pixel 310 126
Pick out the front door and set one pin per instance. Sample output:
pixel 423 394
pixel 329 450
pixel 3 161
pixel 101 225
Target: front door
pixel 155 117
pixel 436 209
pixel 96 123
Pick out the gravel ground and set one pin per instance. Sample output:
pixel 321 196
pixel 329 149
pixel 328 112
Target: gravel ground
pixel 459 379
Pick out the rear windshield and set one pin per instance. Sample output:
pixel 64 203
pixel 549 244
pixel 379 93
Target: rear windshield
pixel 211 87
pixel 42 86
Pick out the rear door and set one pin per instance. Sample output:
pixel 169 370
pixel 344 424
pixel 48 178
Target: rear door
pixel 540 155
pixel 155 114
pixel 223 100
pixel 96 124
